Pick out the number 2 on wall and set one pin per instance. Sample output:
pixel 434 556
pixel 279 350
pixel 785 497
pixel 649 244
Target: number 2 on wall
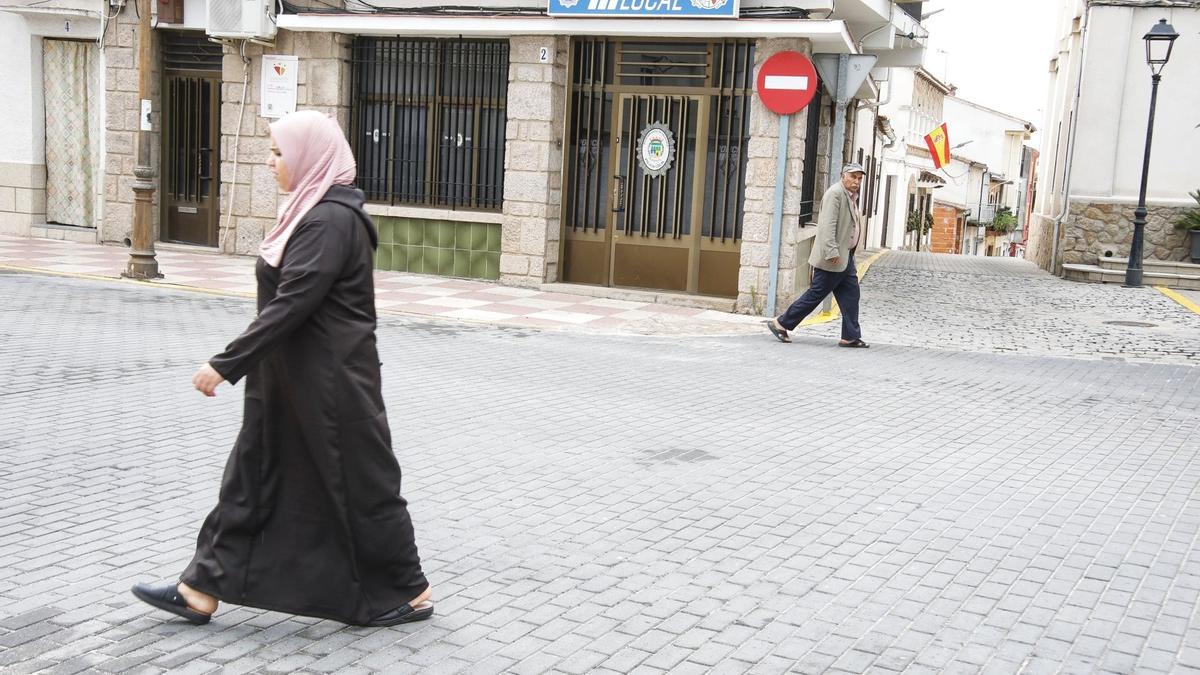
pixel 544 55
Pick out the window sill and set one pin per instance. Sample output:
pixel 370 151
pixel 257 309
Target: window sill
pixel 434 214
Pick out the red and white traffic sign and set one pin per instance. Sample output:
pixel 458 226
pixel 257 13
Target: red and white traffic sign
pixel 787 82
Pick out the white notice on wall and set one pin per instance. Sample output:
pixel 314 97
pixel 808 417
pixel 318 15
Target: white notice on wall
pixel 278 85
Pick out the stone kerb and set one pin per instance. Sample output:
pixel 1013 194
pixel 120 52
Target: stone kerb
pixel 762 153
pixel 529 246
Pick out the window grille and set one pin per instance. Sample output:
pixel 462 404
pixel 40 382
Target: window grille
pixel 428 121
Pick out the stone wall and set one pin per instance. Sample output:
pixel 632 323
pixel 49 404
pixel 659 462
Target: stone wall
pixel 530 239
pixel 762 153
pixel 1038 248
pixel 22 197
pixel 1094 229
pixel 121 124
pixel 323 84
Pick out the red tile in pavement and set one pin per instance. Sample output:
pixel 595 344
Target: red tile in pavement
pixel 508 309
pixel 463 285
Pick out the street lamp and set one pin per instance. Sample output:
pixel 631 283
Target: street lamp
pixel 1159 42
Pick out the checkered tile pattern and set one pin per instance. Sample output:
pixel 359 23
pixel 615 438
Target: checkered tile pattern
pixel 415 294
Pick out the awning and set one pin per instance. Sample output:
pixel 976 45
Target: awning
pixel 830 37
pixel 929 181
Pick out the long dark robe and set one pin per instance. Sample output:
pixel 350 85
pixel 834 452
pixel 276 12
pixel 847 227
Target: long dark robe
pixel 310 519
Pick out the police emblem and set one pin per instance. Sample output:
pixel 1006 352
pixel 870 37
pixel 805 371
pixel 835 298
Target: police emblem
pixel 656 150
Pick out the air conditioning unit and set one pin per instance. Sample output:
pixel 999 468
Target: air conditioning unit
pixel 241 19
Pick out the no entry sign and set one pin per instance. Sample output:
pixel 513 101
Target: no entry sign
pixel 787 82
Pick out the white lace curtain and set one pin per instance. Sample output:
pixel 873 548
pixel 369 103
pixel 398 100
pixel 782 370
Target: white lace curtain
pixel 69 70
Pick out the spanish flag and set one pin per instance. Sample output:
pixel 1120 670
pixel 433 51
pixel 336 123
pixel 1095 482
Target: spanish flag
pixel 938 141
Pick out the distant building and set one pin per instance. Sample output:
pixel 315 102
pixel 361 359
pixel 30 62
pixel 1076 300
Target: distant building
pixel 953 208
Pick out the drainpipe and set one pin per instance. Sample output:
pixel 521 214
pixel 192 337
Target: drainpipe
pixel 874 136
pixel 1066 192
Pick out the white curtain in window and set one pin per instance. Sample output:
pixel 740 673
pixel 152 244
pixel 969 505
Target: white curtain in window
pixel 72 131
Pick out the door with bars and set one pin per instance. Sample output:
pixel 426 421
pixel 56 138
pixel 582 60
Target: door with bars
pixel 655 164
pixel 191 139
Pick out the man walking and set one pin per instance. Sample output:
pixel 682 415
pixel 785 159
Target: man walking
pixel 838 229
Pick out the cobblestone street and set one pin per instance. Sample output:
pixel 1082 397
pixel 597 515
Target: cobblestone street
pixel 1006 305
pixel 604 503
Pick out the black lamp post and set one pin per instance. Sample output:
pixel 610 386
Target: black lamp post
pixel 1159 42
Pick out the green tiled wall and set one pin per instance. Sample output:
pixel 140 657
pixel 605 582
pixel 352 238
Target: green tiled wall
pixel 450 249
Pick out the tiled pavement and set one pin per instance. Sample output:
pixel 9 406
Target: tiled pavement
pixel 593 503
pixel 416 294
pixel 995 305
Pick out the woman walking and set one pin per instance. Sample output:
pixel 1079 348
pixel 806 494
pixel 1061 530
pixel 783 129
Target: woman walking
pixel 309 519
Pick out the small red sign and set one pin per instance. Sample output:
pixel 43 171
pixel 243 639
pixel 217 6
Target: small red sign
pixel 787 82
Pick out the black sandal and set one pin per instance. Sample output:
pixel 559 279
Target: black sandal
pixel 778 331
pixel 168 598
pixel 403 614
pixel 856 343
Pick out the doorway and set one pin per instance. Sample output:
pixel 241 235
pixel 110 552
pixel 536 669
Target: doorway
pixel 191 137
pixel 656 164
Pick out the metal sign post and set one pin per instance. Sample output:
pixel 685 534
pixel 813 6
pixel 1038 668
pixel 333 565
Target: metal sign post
pixel 787 82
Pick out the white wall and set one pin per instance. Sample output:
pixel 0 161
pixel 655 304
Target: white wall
pixel 21 106
pixel 1115 104
pixel 17 64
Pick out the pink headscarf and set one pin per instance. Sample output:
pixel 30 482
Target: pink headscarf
pixel 316 156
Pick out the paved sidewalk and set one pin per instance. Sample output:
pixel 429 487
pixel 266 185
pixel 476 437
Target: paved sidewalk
pixel 415 294
pixel 606 504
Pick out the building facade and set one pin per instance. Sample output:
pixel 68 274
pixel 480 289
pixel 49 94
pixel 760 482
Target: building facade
pixel 51 156
pixel 611 148
pixel 901 190
pixel 1097 110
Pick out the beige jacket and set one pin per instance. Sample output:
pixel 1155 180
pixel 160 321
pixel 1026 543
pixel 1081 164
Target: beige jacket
pixel 836 226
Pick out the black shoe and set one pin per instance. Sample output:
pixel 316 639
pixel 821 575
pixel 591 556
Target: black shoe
pixel 403 614
pixel 779 332
pixel 169 599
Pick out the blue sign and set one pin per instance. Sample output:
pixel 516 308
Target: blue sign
pixel 682 9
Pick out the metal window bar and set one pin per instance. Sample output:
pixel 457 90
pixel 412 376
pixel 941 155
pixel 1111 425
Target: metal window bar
pixel 602 67
pixel 733 64
pixel 588 152
pixel 428 121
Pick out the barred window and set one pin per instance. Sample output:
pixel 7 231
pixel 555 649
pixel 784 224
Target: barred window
pixel 429 120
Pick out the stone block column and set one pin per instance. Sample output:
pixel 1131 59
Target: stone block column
pixel 763 153
pixel 537 94
pixel 323 84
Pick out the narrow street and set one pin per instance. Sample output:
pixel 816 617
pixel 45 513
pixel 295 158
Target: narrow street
pixel 955 499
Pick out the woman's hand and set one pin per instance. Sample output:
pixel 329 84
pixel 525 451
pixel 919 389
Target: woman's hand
pixel 206 380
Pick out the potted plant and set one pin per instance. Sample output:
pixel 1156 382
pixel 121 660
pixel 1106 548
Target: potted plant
pixel 1191 222
pixel 1004 222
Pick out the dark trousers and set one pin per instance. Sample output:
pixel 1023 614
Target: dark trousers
pixel 843 285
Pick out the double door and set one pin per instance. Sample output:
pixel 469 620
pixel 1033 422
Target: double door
pixel 659 179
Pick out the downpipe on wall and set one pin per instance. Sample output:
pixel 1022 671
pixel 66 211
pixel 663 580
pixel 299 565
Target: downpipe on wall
pixel 1066 192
